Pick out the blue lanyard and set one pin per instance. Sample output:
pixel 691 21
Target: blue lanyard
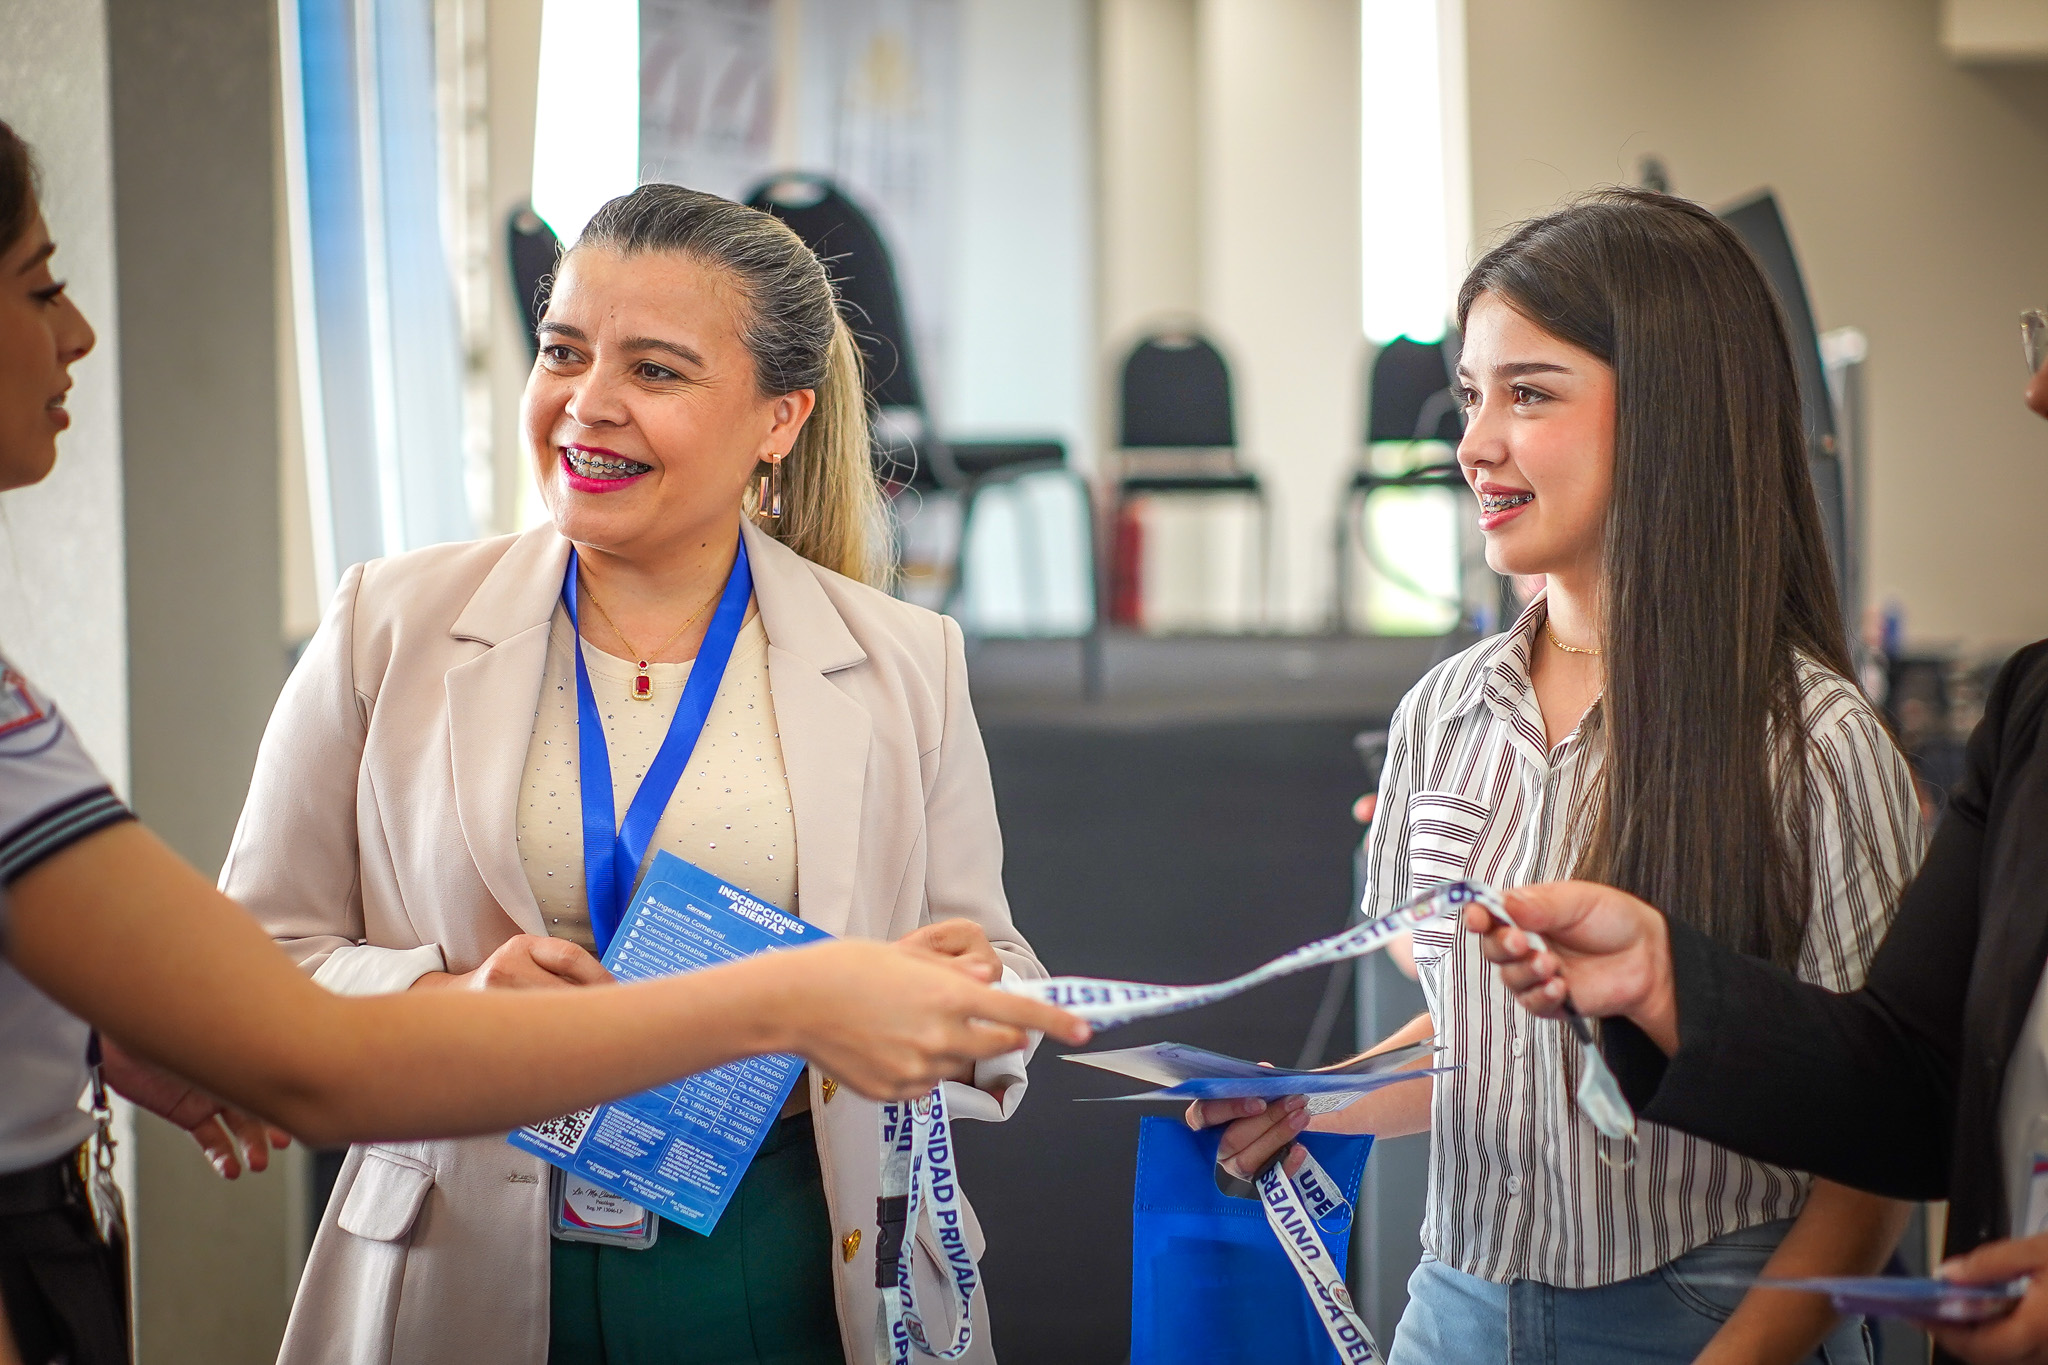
pixel 612 851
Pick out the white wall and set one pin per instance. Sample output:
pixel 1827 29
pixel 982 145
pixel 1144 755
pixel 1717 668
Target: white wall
pixel 513 35
pixel 1020 335
pixel 1280 261
pixel 193 94
pixel 1021 348
pixel 62 590
pixel 1150 206
pixel 1194 567
pixel 1229 137
pixel 1916 198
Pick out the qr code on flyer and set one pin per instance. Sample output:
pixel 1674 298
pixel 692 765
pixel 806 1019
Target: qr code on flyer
pixel 564 1134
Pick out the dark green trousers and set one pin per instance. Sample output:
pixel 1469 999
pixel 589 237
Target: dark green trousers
pixel 757 1291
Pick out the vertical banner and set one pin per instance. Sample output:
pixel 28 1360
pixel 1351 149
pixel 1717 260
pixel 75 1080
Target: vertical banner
pixel 876 106
pixel 707 93
pixel 880 105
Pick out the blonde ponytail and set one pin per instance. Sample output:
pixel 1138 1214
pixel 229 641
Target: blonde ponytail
pixel 832 512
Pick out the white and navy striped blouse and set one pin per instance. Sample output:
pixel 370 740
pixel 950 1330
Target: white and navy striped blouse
pixel 1516 1188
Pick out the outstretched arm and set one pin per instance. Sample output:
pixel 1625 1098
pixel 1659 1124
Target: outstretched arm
pixel 120 931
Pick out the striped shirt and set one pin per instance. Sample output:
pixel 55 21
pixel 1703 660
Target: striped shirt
pixel 1517 1185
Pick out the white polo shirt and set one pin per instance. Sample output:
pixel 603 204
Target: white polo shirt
pixel 51 796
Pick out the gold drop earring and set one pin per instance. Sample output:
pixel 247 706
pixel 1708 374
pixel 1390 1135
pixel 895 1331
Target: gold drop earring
pixel 768 497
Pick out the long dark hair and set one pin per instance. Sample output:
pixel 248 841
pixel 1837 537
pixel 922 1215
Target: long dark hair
pixel 17 187
pixel 1716 575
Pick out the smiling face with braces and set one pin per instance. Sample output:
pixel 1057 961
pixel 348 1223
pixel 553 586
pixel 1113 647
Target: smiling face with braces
pixel 643 415
pixel 1538 449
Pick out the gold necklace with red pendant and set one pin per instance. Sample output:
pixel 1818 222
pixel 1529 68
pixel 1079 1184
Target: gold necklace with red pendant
pixel 643 686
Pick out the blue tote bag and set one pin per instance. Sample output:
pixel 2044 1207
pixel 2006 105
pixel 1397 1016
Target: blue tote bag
pixel 1209 1283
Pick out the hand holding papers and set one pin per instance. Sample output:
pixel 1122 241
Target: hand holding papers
pixel 1193 1073
pixel 682 1148
pixel 1897 1296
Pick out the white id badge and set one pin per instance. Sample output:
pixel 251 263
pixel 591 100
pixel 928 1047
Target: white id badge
pixel 2037 1196
pixel 585 1213
pixel 2037 1180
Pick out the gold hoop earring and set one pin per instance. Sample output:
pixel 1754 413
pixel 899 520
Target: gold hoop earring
pixel 768 496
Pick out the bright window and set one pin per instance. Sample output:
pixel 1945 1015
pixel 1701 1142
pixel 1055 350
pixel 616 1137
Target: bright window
pixel 586 125
pixel 1414 174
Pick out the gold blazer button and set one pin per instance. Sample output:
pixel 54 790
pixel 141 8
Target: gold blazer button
pixel 849 1245
pixel 828 1088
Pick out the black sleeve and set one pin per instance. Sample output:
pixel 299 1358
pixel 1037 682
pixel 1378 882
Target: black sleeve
pixel 1858 1088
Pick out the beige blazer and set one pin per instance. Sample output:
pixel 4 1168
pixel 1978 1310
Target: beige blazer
pixel 378 845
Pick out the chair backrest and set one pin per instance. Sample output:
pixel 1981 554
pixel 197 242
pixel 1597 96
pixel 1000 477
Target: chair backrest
pixel 1413 393
pixel 908 452
pixel 1175 394
pixel 850 244
pixel 532 251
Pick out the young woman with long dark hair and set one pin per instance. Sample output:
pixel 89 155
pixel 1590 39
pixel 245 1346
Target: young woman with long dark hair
pixel 1673 715
pixel 1930 1082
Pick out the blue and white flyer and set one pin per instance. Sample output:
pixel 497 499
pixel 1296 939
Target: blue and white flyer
pixel 1194 1073
pixel 680 1149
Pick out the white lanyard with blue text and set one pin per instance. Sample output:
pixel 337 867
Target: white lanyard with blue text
pixel 614 849
pixel 1295 1206
pixel 1107 1003
pixel 919 1176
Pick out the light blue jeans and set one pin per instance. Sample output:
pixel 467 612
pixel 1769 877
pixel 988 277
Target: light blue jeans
pixel 1662 1315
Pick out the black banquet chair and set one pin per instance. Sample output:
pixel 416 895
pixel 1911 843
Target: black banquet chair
pixel 1413 399
pixel 909 454
pixel 531 250
pixel 1177 437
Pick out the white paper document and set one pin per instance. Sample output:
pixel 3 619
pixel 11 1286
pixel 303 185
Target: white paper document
pixel 1188 1073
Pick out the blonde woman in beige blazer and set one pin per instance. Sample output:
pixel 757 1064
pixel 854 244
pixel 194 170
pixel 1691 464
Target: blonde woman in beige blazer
pixel 399 830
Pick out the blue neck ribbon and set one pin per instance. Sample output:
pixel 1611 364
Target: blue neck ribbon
pixel 612 851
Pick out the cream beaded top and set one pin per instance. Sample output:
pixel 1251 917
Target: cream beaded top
pixel 730 814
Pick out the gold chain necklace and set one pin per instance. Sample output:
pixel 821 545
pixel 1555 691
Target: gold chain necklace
pixel 643 686
pixel 1569 649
